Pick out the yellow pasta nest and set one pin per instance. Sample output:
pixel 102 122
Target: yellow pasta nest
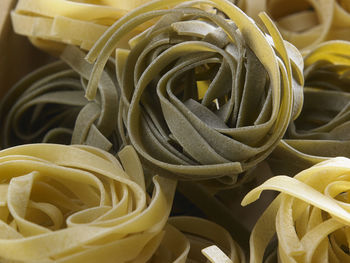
pixel 310 216
pixel 203 96
pixel 78 204
pixel 305 23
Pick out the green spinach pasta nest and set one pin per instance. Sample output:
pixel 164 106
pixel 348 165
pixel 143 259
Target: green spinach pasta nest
pixel 322 128
pixel 49 105
pixel 206 94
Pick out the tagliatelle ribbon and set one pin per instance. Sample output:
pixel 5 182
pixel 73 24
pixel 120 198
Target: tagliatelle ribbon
pixel 305 23
pixel 310 216
pixel 193 239
pixel 69 22
pixel 49 105
pixel 322 128
pixel 79 204
pixel 58 29
pixel 215 211
pixel 244 75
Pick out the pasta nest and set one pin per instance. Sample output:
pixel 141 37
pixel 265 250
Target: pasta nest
pixel 203 96
pixel 305 23
pixel 322 128
pixel 49 105
pixel 310 216
pixel 78 204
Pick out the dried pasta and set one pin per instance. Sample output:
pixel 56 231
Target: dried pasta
pixel 196 239
pixel 49 105
pixel 203 97
pixel 79 204
pixel 322 128
pixel 305 23
pixel 310 216
pixel 70 22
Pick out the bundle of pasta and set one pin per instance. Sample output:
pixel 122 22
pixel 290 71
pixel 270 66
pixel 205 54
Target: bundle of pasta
pixel 310 216
pixel 323 126
pixel 305 23
pixel 203 96
pixel 81 23
pixel 49 105
pixel 78 204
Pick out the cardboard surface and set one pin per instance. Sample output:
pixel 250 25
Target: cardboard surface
pixel 17 55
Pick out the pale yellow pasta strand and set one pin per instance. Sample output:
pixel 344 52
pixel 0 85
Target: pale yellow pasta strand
pixel 69 22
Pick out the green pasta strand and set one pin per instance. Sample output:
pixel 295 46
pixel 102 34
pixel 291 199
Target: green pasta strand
pixel 203 97
pixel 49 105
pixel 322 129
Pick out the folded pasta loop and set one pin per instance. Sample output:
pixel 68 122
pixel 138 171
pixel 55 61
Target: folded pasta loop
pixel 204 97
